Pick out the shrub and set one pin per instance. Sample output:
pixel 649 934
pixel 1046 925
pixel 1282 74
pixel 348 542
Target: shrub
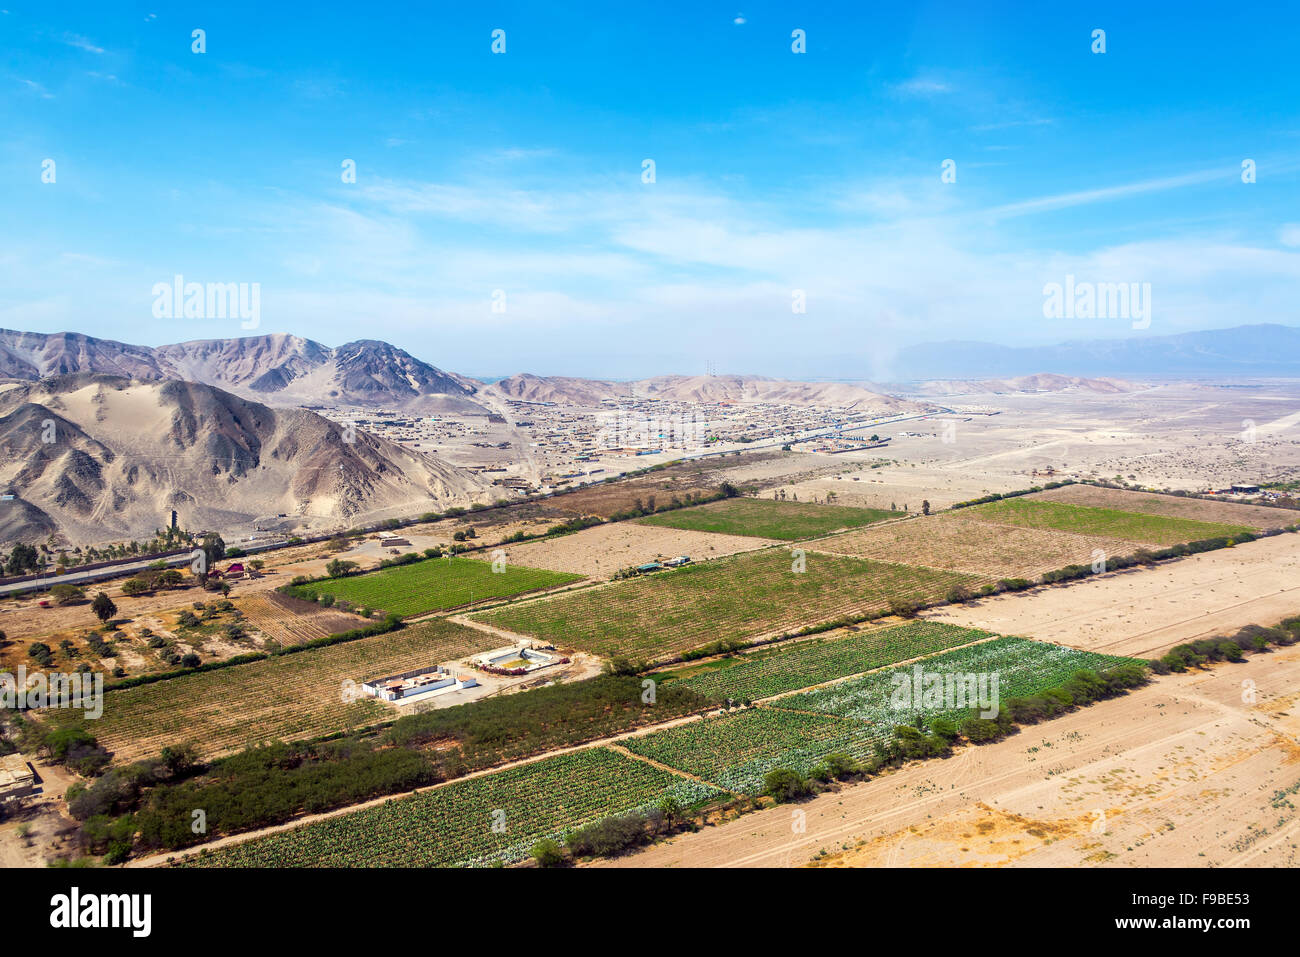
pixel 903 607
pixel 785 784
pixel 609 836
pixel 547 853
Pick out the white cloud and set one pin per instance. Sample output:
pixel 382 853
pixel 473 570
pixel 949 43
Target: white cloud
pixel 81 43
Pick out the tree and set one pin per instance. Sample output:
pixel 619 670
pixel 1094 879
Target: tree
pixel 134 586
pixel 67 594
pixel 103 607
pixel 785 784
pixel 337 568
pixel 214 549
pixel 22 559
pixel 925 507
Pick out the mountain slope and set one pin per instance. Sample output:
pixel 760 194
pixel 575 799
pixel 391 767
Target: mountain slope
pixel 105 458
pixel 283 369
pixel 709 389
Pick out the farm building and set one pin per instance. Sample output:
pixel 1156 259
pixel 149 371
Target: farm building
pixel 17 779
pixel 420 682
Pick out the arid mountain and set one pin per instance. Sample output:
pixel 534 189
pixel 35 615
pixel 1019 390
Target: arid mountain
pixel 281 369
pixel 527 387
pixel 1043 382
pixel 720 388
pixel 103 458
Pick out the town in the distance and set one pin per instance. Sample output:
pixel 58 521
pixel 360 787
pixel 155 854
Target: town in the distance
pixel 269 602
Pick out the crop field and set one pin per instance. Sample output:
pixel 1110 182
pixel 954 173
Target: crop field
pixel 1174 506
pixel 801 664
pixel 1023 667
pixel 957 541
pixel 291 621
pixel 765 518
pixel 437 584
pixel 736 750
pixel 1112 523
pixel 741 597
pixel 602 550
pixel 476 822
pixel 286 697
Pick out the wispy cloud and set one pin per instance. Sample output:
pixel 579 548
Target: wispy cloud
pixel 82 43
pixel 1110 193
pixel 923 86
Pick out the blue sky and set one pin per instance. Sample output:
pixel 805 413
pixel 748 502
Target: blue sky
pixel 522 172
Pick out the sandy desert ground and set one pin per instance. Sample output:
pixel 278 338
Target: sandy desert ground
pixel 1195 770
pixel 1144 612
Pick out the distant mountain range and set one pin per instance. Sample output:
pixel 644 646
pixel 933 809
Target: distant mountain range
pixel 103 457
pixel 708 389
pixel 1258 350
pixel 284 369
pixel 1042 382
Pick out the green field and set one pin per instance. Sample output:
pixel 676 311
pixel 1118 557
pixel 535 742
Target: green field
pixel 789 668
pixel 735 750
pixel 285 697
pixel 765 518
pixel 740 597
pixel 1107 522
pixel 437 584
pixel 453 825
pixel 1023 668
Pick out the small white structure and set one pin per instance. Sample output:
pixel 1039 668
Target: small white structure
pixel 516 659
pixel 425 681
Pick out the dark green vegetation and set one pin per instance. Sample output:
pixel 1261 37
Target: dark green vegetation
pixel 765 518
pixel 500 817
pixel 432 584
pixel 792 666
pixel 1107 522
pixel 268 785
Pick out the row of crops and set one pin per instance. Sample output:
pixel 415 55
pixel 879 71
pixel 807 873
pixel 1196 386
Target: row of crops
pixel 766 518
pixel 1022 667
pixel 790 667
pixel 735 750
pixel 498 817
pixel 741 597
pixel 1135 527
pixel 437 584
pixel 474 822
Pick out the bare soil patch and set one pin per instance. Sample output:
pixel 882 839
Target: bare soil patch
pixel 956 542
pixel 600 551
pixel 1146 611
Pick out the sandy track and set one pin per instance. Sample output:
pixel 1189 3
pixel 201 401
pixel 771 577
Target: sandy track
pixel 1180 773
pixel 1146 611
